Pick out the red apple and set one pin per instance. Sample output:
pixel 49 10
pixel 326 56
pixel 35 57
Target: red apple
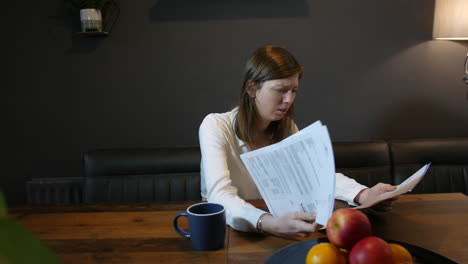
pixel 371 250
pixel 347 226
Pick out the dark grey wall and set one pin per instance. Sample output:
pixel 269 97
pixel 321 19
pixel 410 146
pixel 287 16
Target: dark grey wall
pixel 371 72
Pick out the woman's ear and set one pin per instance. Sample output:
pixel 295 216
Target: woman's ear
pixel 251 88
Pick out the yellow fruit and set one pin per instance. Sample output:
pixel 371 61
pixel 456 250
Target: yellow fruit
pixel 325 253
pixel 400 254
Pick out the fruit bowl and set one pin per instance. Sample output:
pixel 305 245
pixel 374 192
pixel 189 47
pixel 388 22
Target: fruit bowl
pixel 297 252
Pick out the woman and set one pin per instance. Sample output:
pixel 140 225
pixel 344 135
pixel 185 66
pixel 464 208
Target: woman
pixel 264 116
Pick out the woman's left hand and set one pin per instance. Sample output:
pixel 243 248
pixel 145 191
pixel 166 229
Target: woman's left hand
pixel 372 193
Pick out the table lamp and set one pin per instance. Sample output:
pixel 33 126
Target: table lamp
pixel 451 23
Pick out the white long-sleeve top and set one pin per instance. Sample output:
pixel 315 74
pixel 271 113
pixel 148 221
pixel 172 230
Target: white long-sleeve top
pixel 225 180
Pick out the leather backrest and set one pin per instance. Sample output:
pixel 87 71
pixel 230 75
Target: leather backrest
pixel 449 163
pixel 368 162
pixel 106 162
pixel 142 175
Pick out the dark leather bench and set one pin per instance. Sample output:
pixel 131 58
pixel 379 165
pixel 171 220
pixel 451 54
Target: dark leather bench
pixel 171 174
pixel 368 162
pixel 449 168
pixel 142 175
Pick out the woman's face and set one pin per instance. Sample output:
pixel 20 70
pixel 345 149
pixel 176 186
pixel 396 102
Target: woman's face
pixel 274 97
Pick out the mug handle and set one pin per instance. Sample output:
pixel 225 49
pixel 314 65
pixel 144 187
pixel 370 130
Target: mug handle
pixel 176 225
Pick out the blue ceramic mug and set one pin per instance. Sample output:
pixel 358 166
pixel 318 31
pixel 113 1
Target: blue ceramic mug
pixel 207 225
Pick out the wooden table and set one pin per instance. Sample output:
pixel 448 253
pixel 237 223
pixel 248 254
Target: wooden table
pixel 143 233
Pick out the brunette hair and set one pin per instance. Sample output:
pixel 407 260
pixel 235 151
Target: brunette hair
pixel 265 63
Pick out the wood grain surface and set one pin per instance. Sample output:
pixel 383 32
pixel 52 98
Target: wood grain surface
pixel 143 233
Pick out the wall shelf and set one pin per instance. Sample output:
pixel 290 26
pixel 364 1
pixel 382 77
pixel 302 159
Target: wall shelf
pixel 94 33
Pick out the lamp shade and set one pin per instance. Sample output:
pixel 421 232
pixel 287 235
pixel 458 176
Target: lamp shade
pixel 451 20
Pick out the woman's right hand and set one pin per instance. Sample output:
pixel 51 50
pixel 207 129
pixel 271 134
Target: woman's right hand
pixel 290 224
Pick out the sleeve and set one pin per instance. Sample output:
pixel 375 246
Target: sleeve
pixel 215 150
pixel 346 188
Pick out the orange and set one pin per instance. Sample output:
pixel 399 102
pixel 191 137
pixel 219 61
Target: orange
pixel 325 253
pixel 400 254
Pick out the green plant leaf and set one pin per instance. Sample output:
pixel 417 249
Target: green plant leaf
pixel 19 246
pixel 3 207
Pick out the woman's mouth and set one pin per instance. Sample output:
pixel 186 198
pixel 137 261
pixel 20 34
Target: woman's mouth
pixel 283 110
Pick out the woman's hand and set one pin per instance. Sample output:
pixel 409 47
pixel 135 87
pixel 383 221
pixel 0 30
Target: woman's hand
pixel 290 224
pixel 371 193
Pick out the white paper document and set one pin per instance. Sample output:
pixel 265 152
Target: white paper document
pixel 402 188
pixel 296 174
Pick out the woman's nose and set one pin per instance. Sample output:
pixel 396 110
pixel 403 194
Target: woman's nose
pixel 288 97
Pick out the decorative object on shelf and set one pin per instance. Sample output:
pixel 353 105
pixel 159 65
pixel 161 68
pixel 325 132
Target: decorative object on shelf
pixel 97 16
pixel 91 19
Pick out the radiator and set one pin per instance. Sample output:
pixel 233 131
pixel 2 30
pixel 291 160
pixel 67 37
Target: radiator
pixel 49 191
